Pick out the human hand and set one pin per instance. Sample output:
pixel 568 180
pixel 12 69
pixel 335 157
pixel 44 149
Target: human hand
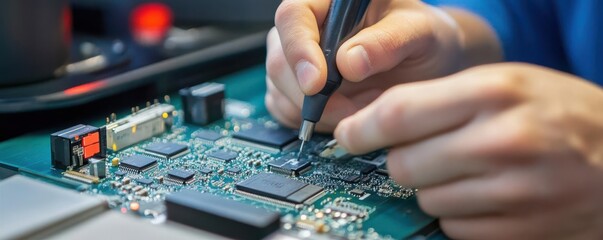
pixel 507 151
pixel 401 41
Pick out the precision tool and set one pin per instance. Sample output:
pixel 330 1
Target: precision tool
pixel 339 25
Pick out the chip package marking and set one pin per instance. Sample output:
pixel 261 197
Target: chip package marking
pixel 274 139
pixel 223 155
pixel 181 176
pixel 137 164
pixel 166 150
pixel 144 181
pixel 278 189
pixel 290 166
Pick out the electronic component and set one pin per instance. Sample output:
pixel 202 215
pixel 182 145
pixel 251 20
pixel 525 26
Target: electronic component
pixel 206 135
pixel 233 170
pixel 144 181
pixel 203 103
pixel 81 177
pixel 137 164
pixel 219 215
pixel 290 166
pixel 271 187
pixel 272 139
pixel 139 126
pixel 332 150
pixel 357 192
pixel 205 171
pixel 367 169
pixel 181 176
pixel 166 150
pixel 97 167
pixel 351 178
pixel 73 147
pixel 115 162
pixel 120 173
pixel 223 155
pixel 31 209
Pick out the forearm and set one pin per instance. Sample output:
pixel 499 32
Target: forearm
pixel 479 42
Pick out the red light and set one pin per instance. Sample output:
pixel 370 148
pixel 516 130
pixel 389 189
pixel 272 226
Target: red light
pixel 150 22
pixel 84 88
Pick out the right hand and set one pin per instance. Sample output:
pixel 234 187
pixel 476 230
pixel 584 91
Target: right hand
pixel 400 41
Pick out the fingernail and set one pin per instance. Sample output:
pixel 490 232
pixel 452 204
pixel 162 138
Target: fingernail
pixel 306 73
pixel 359 61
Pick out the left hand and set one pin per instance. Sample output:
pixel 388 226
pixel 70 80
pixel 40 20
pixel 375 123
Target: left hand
pixel 501 151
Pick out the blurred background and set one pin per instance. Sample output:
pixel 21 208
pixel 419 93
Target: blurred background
pixel 62 59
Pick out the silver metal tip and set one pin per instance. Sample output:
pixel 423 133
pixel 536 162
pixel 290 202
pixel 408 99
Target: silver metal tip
pixel 306 130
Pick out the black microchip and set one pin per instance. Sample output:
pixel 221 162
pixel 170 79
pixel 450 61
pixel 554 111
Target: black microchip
pixel 137 163
pixel 357 192
pixel 371 156
pixel 368 169
pixel 276 138
pixel 207 135
pixel 223 216
pixel 351 178
pixel 278 187
pixel 205 171
pixel 180 176
pixel 120 173
pixel 223 155
pixel 166 150
pixel 290 166
pixel 234 170
pixel 144 181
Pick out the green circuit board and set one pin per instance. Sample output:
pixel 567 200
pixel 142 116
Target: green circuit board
pixel 353 203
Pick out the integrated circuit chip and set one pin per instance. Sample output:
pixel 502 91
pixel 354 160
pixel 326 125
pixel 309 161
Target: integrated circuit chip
pixel 137 164
pixel 223 155
pixel 290 166
pixel 206 135
pixel 233 170
pixel 221 215
pixel 272 138
pixel 276 187
pixel 166 150
pixel 180 176
pixel 144 181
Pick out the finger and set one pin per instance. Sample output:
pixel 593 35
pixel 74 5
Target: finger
pixel 400 35
pixel 406 113
pixel 281 108
pixel 415 111
pixel 279 71
pixel 297 22
pixel 513 191
pixel 435 161
pixel 338 107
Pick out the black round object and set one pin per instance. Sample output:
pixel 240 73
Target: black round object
pixel 34 39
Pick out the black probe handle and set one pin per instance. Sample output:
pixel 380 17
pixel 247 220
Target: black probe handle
pixel 339 25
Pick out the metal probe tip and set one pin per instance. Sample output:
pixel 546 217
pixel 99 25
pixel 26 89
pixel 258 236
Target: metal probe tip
pixel 305 133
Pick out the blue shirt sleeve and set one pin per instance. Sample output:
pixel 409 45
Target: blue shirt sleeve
pixel 528 29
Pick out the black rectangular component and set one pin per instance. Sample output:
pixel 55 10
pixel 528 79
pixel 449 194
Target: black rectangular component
pixel 74 147
pixel 144 181
pixel 137 163
pixel 351 178
pixel 357 192
pixel 223 155
pixel 233 170
pixel 180 176
pixel 205 171
pixel 278 187
pixel 203 103
pixel 276 138
pixel 207 135
pixel 219 215
pixel 166 150
pixel 290 166
pixel 368 169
